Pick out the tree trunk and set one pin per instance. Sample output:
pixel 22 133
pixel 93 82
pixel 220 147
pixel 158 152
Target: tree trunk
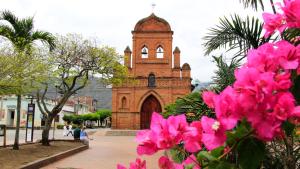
pixel 16 143
pixel 45 133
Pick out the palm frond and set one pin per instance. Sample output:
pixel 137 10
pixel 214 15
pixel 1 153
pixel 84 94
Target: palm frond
pixel 45 37
pixel 9 17
pixel 292 35
pixel 26 26
pixel 235 33
pixel 224 75
pixel 255 4
pixel 7 32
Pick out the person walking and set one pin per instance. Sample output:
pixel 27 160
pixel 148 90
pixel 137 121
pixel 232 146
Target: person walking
pixel 65 132
pixel 70 131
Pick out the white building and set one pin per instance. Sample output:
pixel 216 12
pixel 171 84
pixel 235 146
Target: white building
pixel 8 111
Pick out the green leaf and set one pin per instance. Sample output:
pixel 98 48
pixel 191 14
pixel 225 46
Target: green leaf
pixel 177 156
pixel 217 152
pixel 205 155
pixel 251 153
pixel 191 166
pixel 241 129
pixel 220 165
pixel 288 128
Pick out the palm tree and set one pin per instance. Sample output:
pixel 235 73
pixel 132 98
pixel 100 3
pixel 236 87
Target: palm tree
pixel 224 75
pixel 235 33
pixel 256 3
pixel 253 3
pixel 22 36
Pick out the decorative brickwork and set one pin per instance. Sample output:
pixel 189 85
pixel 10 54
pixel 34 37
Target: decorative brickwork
pixel 157 78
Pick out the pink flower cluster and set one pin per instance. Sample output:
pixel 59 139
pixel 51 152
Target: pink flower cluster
pixel 288 18
pixel 260 94
pixel 138 164
pixel 165 163
pixel 167 133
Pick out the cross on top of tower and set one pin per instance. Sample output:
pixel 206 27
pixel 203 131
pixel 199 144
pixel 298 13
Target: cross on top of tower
pixel 153 6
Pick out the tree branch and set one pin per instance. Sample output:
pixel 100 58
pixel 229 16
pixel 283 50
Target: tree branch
pixel 39 104
pixel 43 100
pixel 84 83
pixel 78 76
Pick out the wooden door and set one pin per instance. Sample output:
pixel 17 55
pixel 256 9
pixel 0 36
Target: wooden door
pixel 150 105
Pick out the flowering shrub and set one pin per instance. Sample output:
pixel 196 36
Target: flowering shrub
pixel 256 109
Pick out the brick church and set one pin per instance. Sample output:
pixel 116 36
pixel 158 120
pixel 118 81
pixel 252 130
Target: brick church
pixel 158 75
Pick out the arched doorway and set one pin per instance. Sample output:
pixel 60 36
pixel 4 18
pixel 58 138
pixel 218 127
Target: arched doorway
pixel 150 105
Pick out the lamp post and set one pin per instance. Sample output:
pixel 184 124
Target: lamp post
pixel 30 119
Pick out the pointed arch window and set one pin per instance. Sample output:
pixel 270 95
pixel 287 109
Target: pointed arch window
pixel 159 52
pixel 144 52
pixel 151 80
pixel 123 102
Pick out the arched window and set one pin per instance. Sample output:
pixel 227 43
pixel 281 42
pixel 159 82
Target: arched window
pixel 144 52
pixel 159 52
pixel 123 102
pixel 151 80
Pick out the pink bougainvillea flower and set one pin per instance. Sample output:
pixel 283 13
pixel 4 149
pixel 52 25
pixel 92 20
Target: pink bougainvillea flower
pixel 227 108
pixel 145 144
pixel 208 98
pixel 267 128
pixel 138 164
pixel 213 134
pixel 177 126
pixel 165 163
pixel 192 137
pixel 157 122
pixel 296 112
pixel 251 82
pixel 163 134
pixel 285 106
pixel 119 166
pixel 273 22
pixel 283 81
pixel 288 55
pixel 168 132
pixel 191 161
pixel 263 58
pixel 292 13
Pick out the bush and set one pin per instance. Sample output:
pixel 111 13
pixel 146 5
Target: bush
pixel 60 126
pixel 103 113
pixel 191 105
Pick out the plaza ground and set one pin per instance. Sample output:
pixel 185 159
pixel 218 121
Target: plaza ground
pixel 12 159
pixel 106 152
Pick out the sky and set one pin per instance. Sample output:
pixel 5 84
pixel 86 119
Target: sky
pixel 111 22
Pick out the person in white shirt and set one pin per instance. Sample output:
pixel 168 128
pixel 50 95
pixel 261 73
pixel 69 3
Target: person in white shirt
pixel 65 132
pixel 70 131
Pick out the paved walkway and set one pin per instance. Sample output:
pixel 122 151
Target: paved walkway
pixel 58 134
pixel 105 152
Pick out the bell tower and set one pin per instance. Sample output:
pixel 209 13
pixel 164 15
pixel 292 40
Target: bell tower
pixel 155 68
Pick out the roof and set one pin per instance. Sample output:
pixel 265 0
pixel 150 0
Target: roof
pixel 152 23
pixel 186 66
pixel 176 50
pixel 127 50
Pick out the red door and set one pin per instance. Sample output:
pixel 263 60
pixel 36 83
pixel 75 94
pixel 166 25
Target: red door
pixel 150 105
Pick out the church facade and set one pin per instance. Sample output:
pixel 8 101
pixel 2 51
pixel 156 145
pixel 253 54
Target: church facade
pixel 158 77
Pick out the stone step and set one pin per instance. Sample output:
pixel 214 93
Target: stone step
pixel 121 133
